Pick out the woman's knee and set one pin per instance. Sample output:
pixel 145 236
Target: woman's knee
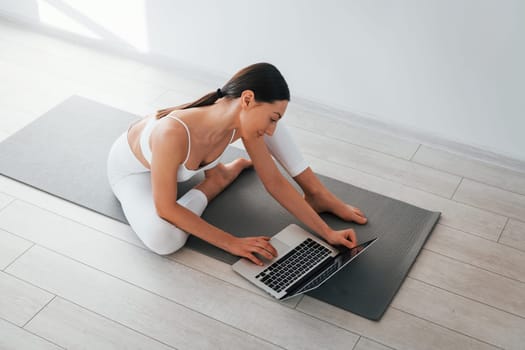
pixel 284 149
pixel 163 241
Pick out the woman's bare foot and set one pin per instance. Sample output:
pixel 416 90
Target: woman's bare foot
pixel 328 202
pixel 218 178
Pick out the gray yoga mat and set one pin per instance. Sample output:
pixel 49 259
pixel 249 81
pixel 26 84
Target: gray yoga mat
pixel 64 153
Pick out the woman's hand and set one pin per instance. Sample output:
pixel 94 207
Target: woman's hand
pixel 346 237
pixel 245 247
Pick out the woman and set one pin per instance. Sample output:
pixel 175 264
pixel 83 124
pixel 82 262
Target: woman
pixel 146 162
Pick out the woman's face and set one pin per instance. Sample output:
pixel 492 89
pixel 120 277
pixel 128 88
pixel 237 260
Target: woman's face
pixel 260 118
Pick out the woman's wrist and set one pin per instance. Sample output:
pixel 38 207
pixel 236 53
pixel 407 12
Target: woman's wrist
pixel 228 242
pixel 325 231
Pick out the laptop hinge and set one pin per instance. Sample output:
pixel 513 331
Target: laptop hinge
pixel 308 277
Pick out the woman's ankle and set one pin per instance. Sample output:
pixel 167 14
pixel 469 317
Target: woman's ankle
pixel 208 189
pixel 310 183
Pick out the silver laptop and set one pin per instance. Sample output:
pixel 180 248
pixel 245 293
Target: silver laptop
pixel 303 262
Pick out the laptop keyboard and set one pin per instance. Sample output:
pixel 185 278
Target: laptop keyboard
pixel 293 265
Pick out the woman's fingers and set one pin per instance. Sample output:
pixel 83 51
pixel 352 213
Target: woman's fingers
pixel 264 242
pixel 253 259
pixel 259 245
pixel 347 244
pixel 352 236
pixel 349 239
pixel 271 249
pixel 264 253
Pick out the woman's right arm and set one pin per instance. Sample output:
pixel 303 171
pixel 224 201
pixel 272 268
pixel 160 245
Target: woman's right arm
pixel 168 152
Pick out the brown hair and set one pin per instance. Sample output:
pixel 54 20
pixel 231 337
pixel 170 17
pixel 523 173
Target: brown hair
pixel 263 79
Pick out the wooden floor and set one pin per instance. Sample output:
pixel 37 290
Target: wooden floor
pixel 71 278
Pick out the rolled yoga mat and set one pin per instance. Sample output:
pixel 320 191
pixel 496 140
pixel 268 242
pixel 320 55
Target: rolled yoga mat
pixel 64 153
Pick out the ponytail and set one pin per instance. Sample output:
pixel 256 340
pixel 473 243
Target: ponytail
pixel 205 100
pixel 263 79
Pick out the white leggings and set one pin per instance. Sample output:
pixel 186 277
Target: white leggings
pixel 131 184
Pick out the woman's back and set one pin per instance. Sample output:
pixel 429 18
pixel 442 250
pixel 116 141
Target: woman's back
pixel 134 133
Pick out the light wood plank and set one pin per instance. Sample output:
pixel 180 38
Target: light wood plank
pixel 123 94
pixel 119 91
pixel 210 296
pixel 14 119
pixel 470 281
pixel 367 344
pixel 77 60
pixel 487 173
pixel 26 94
pixel 476 221
pixel 27 37
pixel 20 301
pixel 3 135
pixel 514 234
pixel 16 338
pixel 223 271
pixel 491 198
pixel 18 71
pixel 67 209
pixel 22 57
pixel 177 82
pixel 375 163
pixel 5 200
pixel 477 251
pixel 462 217
pixel 11 247
pixel 396 328
pixel 73 327
pixel 124 232
pixel 463 315
pixel 127 304
pixel 80 70
pixel 173 97
pixel 330 127
pixel 3 72
pixel 41 99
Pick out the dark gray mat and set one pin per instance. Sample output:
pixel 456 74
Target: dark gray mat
pixel 64 153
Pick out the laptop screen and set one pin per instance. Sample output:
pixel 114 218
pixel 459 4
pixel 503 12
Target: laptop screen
pixel 339 261
pixel 348 254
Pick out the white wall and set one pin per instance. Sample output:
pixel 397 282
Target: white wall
pixel 448 69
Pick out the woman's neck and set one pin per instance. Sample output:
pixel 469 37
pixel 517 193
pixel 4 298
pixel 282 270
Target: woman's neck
pixel 217 120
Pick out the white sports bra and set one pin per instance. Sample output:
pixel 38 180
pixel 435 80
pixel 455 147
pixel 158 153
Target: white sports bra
pixel 183 173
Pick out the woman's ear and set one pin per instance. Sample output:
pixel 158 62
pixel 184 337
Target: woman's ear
pixel 247 98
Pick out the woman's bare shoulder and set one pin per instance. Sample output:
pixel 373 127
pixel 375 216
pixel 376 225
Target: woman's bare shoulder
pixel 169 140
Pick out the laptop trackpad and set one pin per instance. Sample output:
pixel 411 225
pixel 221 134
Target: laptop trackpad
pixel 280 246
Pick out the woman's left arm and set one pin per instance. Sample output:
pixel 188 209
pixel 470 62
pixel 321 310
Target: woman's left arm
pixel 280 189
